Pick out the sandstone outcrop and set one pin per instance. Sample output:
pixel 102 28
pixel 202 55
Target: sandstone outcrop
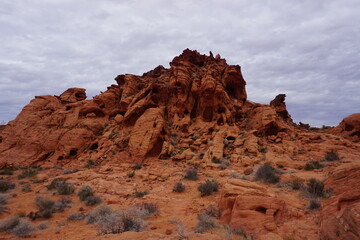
pixel 349 127
pixel 341 213
pixel 141 116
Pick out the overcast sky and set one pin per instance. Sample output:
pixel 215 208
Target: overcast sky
pixel 309 50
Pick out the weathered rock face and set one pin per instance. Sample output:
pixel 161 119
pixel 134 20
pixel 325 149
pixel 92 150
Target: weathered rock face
pixel 254 208
pixel 341 213
pixel 152 115
pixel 349 127
pixel 279 104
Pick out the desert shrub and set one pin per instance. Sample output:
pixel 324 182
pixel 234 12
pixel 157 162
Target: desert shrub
pixel 267 174
pixel 204 222
pixel 315 187
pixel 212 211
pixel 296 184
pixel 179 187
pixel 93 200
pixel 23 229
pixel 7 171
pixel 42 226
pixel 65 188
pixel 191 174
pixel 180 229
pixel 131 174
pixel 84 192
pixel 26 188
pixel 109 223
pixel 118 222
pixel 45 207
pixel 27 172
pixel 54 183
pixel 331 156
pixel 61 186
pixel 3 201
pixel 137 166
pixel 61 204
pixel 9 223
pixel 5 186
pixel 215 160
pixel 140 194
pixel 209 187
pixel 98 212
pixel 149 209
pixel 313 165
pixel 43 203
pixel 314 204
pixel 76 217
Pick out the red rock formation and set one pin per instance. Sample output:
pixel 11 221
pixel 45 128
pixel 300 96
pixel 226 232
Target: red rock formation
pixel 279 104
pixel 341 213
pixel 197 88
pixel 349 127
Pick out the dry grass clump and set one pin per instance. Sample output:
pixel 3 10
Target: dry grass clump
pixel 6 185
pixel 208 187
pixel 267 174
pixel 191 174
pixel 17 226
pixel 108 221
pixel 179 187
pixel 84 192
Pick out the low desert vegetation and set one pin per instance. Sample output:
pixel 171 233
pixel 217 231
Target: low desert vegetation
pixel 62 204
pixel 28 172
pixel 315 188
pixel 208 187
pixel 267 174
pixel 205 222
pixel 191 174
pixel 297 184
pixel 97 213
pixel 47 207
pixel 17 226
pixel 61 186
pixel 26 188
pixel 3 201
pixel 311 165
pixel 42 225
pixel 140 194
pixel 314 204
pixel 23 229
pixel 76 217
pixel 6 185
pixel 93 200
pixel 179 187
pixel 331 156
pixel 107 221
pixel 84 192
pixel 148 209
pixel 7 171
pixel 137 166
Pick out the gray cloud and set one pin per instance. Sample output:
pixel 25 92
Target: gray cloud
pixel 308 50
